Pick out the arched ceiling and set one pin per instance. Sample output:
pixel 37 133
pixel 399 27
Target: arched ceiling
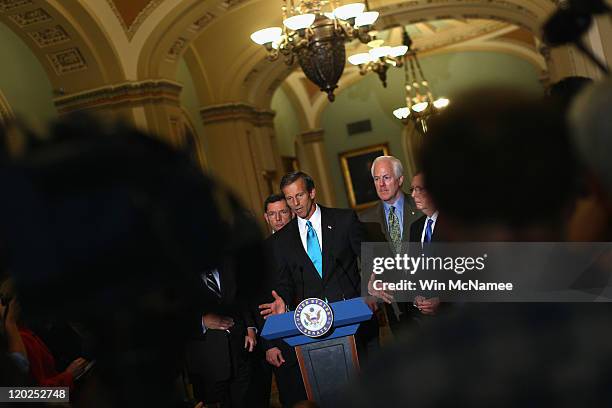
pixel 235 69
pixel 66 39
pixel 85 44
pixel 439 36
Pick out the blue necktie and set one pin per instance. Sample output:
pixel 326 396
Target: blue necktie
pixel 314 249
pixel 428 231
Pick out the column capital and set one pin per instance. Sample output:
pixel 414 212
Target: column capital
pixel 312 136
pixel 237 111
pixel 122 94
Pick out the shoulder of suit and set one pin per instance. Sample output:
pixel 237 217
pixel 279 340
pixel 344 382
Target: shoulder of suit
pixel 337 212
pixel 418 221
pixel 371 213
pixel 285 231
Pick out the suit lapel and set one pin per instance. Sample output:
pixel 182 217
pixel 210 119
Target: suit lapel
pixel 434 236
pixel 226 279
pixel 408 218
pixel 383 220
pixel 328 232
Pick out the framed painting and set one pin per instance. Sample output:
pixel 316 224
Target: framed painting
pixel 356 169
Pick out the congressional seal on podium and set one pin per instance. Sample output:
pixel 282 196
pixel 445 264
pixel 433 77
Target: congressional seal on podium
pixel 313 317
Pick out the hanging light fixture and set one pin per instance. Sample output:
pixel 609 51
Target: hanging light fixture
pixel 420 102
pixel 315 32
pixel 379 58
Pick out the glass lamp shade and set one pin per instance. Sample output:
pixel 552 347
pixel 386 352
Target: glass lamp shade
pixel 366 19
pixel 441 103
pixel 398 51
pixel 402 113
pixel 376 43
pixel 267 35
pixel 347 11
pixel 276 43
pixel 420 107
pixel 299 22
pixel 379 52
pixel 359 59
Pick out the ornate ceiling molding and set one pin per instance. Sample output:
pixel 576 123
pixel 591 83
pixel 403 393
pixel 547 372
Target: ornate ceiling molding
pixel 67 61
pixel 10 5
pixel 312 136
pixel 129 93
pixel 237 111
pixel 30 17
pixel 50 36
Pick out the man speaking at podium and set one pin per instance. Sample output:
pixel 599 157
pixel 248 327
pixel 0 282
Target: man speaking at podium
pixel 317 254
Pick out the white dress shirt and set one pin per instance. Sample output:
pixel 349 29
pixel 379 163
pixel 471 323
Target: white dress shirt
pixel 315 220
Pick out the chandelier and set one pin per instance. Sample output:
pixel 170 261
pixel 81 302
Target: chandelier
pixel 379 58
pixel 420 102
pixel 315 32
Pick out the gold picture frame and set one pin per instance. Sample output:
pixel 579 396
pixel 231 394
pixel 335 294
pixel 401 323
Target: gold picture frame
pixel 356 167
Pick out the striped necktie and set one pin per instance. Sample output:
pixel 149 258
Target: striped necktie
pixel 212 284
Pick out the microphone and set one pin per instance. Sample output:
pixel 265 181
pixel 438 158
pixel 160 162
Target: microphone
pixel 345 273
pixel 303 289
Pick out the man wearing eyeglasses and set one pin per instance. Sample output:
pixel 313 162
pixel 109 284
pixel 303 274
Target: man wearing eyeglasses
pixel 422 231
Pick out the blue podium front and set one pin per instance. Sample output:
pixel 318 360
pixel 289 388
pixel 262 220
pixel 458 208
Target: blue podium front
pixel 328 362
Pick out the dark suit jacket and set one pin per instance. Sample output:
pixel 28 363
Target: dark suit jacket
pixel 376 223
pixel 416 230
pixel 298 279
pixel 376 228
pixel 216 354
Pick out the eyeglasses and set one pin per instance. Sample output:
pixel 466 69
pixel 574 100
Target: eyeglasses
pixel 417 190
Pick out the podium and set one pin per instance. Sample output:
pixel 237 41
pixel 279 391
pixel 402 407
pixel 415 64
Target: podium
pixel 328 362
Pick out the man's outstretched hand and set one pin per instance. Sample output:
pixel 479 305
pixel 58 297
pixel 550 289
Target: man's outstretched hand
pixel 276 307
pixel 380 294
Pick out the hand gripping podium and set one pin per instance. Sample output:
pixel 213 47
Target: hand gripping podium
pixel 327 362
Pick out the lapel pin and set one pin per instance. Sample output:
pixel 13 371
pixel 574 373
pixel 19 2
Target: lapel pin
pixel 329 226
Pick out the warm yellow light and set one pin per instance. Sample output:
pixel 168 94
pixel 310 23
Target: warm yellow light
pixel 402 113
pixel 359 59
pixel 441 103
pixel 351 10
pixel 376 43
pixel 299 22
pixel 379 52
pixel 398 51
pixel 366 19
pixel 420 107
pixel 267 35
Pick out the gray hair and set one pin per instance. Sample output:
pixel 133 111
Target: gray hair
pixel 592 129
pixel 398 169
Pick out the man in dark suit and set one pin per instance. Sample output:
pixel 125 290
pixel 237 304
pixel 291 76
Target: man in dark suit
pixel 217 356
pixel 389 221
pixel 274 356
pixel 317 254
pixel 422 232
